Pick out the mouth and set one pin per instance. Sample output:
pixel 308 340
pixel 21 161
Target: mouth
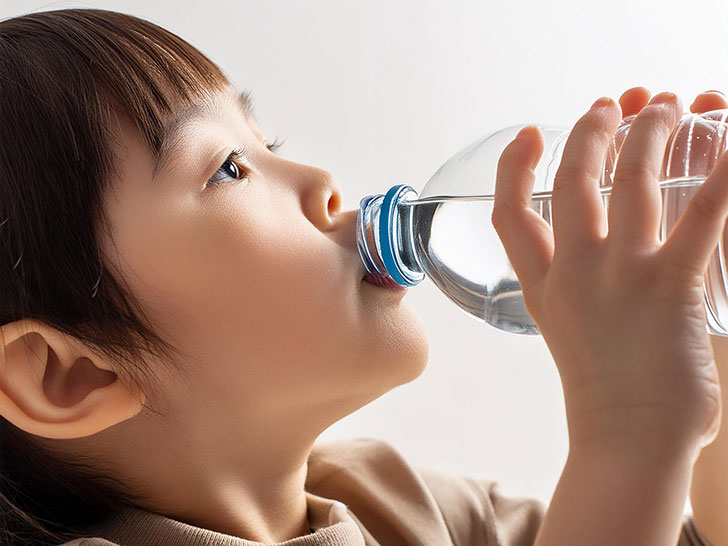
pixel 383 281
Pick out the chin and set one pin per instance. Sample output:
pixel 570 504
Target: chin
pixel 403 348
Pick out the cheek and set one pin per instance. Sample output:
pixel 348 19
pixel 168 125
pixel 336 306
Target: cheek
pixel 243 282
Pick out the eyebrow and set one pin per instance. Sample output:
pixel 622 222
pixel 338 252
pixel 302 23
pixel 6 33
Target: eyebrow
pixel 172 135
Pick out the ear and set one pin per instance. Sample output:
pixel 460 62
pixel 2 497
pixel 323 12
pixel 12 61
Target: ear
pixel 53 386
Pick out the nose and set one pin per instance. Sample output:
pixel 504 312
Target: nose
pixel 321 197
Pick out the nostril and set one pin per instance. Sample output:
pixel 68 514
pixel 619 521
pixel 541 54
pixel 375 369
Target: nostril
pixel 334 204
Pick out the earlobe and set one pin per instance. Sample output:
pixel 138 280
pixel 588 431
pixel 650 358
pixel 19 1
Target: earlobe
pixel 53 386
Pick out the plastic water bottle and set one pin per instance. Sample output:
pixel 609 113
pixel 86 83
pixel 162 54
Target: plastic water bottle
pixel 446 234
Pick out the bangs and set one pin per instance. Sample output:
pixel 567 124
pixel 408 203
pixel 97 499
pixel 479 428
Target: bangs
pixel 146 69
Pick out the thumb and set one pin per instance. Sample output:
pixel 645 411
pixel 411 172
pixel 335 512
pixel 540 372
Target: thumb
pixel 527 238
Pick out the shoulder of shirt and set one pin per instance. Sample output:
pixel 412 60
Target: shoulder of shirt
pixel 373 456
pixel 376 456
pixel 379 456
pixel 371 475
pixel 332 451
pixel 351 455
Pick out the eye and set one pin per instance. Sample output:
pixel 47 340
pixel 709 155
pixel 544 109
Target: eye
pixel 230 170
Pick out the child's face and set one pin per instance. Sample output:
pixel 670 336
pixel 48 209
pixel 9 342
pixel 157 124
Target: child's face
pixel 257 280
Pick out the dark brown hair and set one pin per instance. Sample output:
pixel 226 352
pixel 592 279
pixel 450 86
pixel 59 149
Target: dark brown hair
pixel 63 76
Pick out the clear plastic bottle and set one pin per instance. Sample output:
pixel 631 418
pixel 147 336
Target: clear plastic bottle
pixel 446 233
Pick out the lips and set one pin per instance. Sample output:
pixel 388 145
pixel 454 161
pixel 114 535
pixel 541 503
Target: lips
pixel 383 281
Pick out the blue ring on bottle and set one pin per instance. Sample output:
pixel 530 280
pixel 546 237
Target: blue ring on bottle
pixel 386 233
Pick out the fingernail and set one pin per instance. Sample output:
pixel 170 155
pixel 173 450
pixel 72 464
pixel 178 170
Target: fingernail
pixel 663 98
pixel 601 103
pixel 523 132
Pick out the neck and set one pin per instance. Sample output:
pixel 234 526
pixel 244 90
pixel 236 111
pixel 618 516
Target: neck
pixel 243 475
pixel 253 490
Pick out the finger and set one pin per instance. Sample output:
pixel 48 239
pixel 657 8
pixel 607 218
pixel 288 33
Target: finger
pixel 525 235
pixel 578 207
pixel 633 100
pixel 692 241
pixel 635 202
pixel 709 100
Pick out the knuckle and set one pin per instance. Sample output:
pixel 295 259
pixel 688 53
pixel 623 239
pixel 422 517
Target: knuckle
pixel 501 216
pixel 566 172
pixel 721 168
pixel 675 273
pixel 630 171
pixel 705 208
pixel 560 191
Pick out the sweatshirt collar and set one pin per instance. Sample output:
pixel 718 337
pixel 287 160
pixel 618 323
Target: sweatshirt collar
pixel 136 527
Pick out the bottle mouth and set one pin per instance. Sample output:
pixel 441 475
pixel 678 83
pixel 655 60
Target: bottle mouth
pixel 382 238
pixel 367 234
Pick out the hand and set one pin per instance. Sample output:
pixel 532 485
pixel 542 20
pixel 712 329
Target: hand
pixel 621 312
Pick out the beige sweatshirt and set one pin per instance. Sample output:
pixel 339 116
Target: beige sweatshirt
pixel 362 492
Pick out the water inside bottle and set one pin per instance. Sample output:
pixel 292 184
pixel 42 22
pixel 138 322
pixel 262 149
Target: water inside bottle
pixel 461 252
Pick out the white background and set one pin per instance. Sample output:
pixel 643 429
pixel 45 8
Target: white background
pixel 383 92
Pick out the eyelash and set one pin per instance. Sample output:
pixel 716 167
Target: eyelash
pixel 234 159
pixel 273 146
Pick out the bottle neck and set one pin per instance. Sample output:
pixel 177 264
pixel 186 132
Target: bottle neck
pixel 385 236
